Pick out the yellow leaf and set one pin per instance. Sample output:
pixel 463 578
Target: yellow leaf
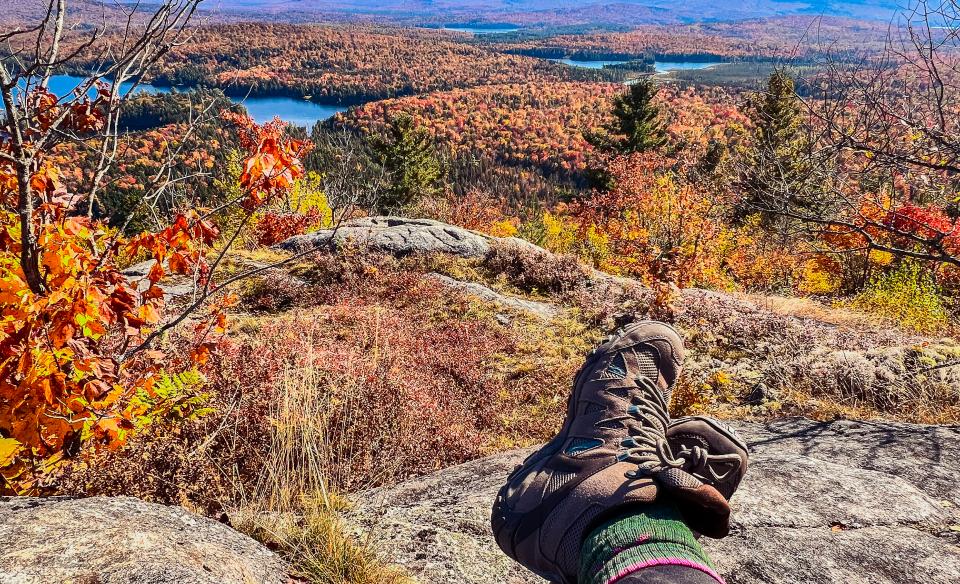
pixel 148 314
pixel 9 448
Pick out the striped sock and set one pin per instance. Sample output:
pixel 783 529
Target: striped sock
pixel 642 538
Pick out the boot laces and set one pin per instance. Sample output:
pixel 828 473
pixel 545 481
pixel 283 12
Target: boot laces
pixel 647 446
pixel 702 464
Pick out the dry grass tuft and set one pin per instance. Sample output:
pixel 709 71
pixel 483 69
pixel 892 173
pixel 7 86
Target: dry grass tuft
pixel 292 507
pixel 812 309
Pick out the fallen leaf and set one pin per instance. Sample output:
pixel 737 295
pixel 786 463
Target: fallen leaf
pixel 9 448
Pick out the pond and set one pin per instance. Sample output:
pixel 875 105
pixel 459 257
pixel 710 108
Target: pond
pixel 262 109
pixel 660 66
pixel 588 64
pixel 667 66
pixel 482 29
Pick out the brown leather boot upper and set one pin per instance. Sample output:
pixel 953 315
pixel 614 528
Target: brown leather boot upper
pixel 611 452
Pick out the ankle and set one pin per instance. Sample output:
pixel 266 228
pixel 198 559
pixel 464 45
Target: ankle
pixel 641 539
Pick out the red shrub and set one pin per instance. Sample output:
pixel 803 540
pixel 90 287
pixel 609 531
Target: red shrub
pixel 276 227
pixel 407 387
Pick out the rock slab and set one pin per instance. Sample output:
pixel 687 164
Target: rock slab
pixel 839 503
pixel 121 540
pixel 398 236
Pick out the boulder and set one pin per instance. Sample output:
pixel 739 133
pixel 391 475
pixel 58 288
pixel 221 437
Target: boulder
pixel 398 236
pixel 823 502
pixel 114 540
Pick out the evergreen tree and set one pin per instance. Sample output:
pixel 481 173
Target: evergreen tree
pixel 777 168
pixel 407 154
pixel 637 125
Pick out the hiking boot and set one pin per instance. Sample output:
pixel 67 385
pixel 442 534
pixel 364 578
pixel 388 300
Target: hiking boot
pixel 611 452
pixel 712 451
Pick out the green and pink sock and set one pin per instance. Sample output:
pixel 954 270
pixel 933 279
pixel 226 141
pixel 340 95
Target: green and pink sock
pixel 644 538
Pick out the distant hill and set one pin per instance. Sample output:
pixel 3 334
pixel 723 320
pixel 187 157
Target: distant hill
pixel 554 15
pixel 555 12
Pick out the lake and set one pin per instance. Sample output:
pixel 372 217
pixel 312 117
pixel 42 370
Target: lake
pixel 588 64
pixel 298 112
pixel 481 30
pixel 667 66
pixel 262 109
pixel 660 66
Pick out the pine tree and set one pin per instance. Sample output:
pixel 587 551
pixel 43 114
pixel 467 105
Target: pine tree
pixel 637 125
pixel 776 175
pixel 407 154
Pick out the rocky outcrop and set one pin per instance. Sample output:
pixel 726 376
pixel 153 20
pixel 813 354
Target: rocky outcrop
pixel 396 235
pixel 762 350
pixel 838 503
pixel 173 287
pixel 540 309
pixel 401 237
pixel 103 540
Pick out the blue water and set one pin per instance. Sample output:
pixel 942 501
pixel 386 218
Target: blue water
pixel 474 30
pixel 298 112
pixel 62 85
pixel 588 64
pixel 667 66
pixel 661 66
pixel 262 109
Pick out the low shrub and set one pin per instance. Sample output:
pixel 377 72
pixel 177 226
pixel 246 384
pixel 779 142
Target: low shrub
pixel 554 232
pixel 907 295
pixel 535 271
pixel 274 227
pixel 273 291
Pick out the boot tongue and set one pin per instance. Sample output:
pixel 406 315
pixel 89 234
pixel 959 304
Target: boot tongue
pixel 644 364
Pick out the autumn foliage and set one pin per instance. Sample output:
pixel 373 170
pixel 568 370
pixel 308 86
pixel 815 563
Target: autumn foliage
pixel 658 226
pixel 79 344
pixel 273 227
pixel 344 64
pixel 773 38
pixel 273 162
pixel 928 223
